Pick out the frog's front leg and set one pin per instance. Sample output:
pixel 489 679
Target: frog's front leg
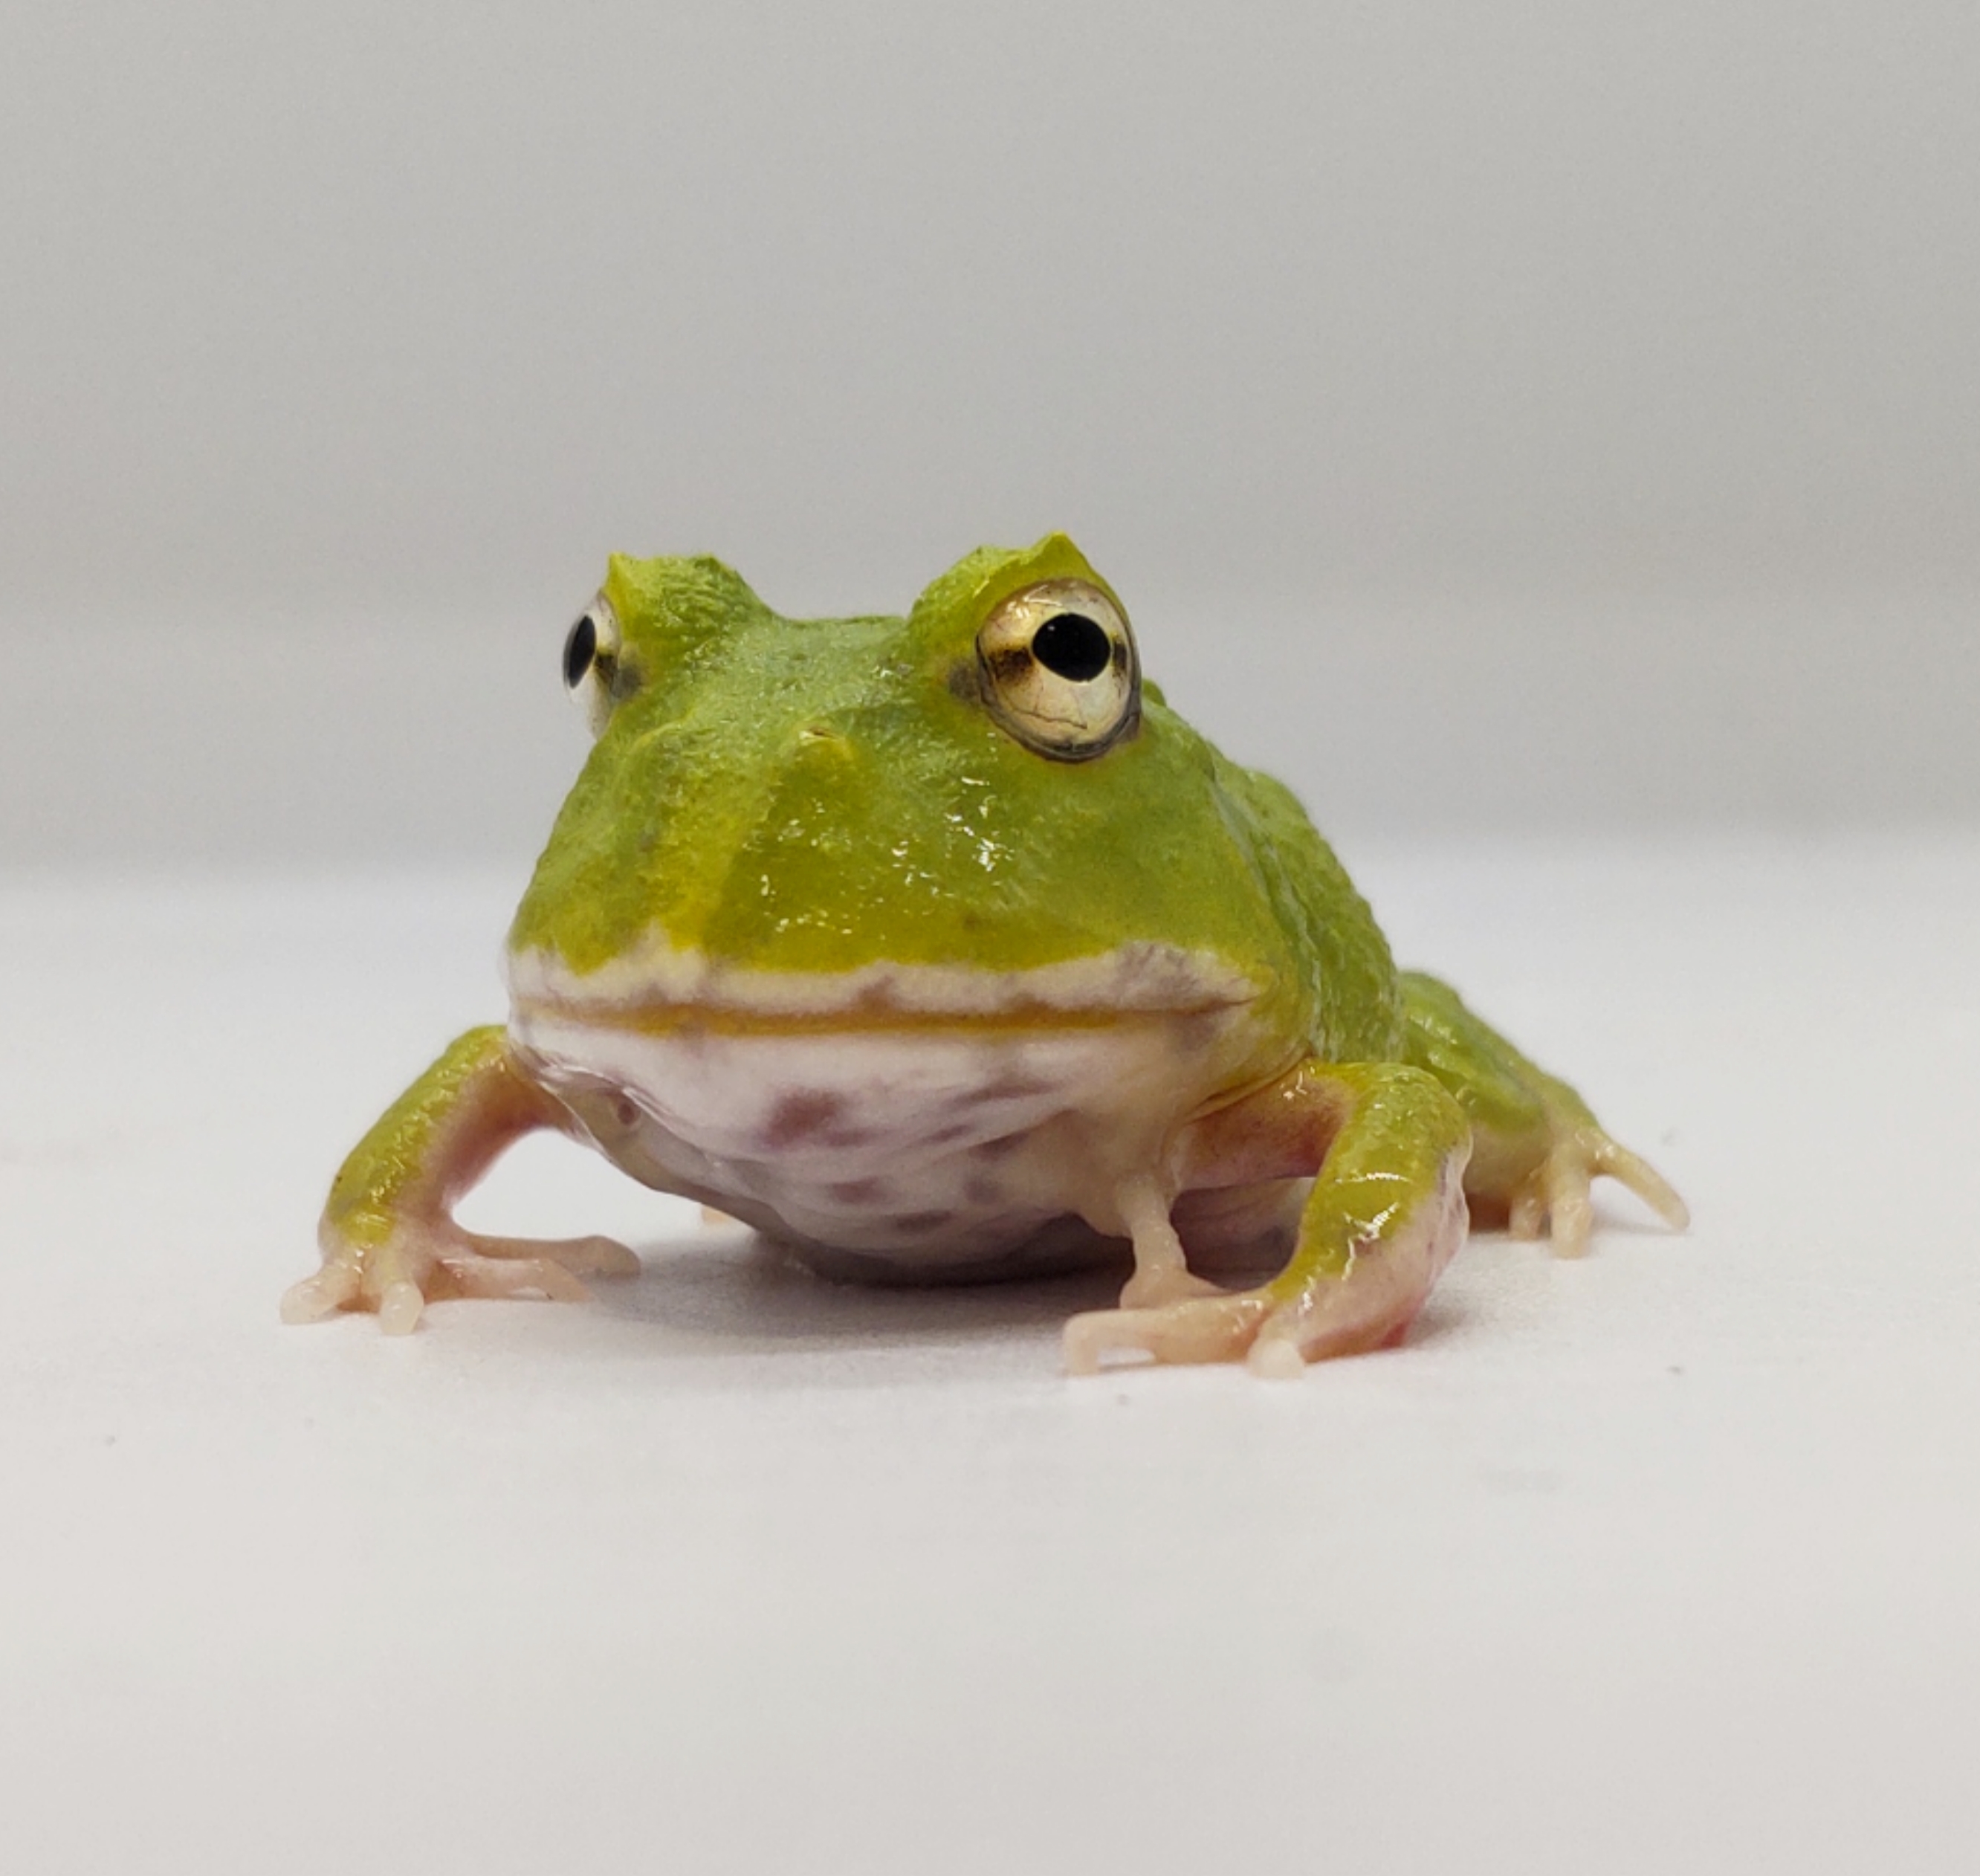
pixel 1385 1215
pixel 388 1238
pixel 1537 1147
pixel 1162 1271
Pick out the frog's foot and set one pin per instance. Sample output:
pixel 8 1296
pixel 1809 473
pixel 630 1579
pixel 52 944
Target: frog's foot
pixel 1274 1337
pixel 1198 1329
pixel 1555 1194
pixel 1314 1311
pixel 437 1261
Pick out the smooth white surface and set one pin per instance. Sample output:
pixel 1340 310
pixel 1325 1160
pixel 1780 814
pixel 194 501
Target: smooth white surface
pixel 1663 1560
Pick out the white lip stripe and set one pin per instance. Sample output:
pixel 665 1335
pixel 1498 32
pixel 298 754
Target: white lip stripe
pixel 655 975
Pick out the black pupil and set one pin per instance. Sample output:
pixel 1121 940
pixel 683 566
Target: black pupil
pixel 1073 646
pixel 579 650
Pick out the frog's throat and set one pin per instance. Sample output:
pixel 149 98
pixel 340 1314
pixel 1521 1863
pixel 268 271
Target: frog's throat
pixel 658 986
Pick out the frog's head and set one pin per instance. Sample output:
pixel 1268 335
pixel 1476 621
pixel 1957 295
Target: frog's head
pixel 986 786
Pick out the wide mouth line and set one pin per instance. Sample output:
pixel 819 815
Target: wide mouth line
pixel 661 988
pixel 659 1017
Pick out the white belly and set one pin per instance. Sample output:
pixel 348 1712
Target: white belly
pixel 921 1149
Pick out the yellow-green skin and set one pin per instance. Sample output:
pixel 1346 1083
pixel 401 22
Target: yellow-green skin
pixel 795 802
pixel 818 794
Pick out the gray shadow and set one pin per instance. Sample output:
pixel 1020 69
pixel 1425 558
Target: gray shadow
pixel 734 1286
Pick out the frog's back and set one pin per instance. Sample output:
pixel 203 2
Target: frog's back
pixel 1350 989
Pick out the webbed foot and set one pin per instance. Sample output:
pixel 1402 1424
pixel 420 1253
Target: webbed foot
pixel 435 1261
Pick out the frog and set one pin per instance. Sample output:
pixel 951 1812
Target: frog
pixel 937 947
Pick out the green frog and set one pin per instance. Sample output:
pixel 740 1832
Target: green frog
pixel 940 948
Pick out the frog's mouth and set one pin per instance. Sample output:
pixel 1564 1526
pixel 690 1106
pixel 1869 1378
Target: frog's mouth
pixel 661 988
pixel 914 1117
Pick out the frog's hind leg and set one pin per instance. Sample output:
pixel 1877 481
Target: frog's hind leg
pixel 388 1238
pixel 1385 1214
pixel 1537 1149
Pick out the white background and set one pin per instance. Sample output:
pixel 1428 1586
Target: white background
pixel 1548 435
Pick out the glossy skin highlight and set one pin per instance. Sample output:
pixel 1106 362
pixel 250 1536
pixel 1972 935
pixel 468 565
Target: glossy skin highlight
pixel 1080 980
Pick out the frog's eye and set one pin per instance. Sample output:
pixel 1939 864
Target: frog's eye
pixel 592 670
pixel 1059 670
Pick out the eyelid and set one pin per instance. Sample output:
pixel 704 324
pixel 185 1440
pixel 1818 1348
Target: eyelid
pixel 598 680
pixel 1051 707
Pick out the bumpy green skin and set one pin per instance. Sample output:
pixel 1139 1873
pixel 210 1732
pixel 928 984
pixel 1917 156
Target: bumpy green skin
pixel 1406 1130
pixel 1516 1109
pixel 818 794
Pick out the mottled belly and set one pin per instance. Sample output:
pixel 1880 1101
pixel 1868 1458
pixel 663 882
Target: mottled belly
pixel 921 1151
